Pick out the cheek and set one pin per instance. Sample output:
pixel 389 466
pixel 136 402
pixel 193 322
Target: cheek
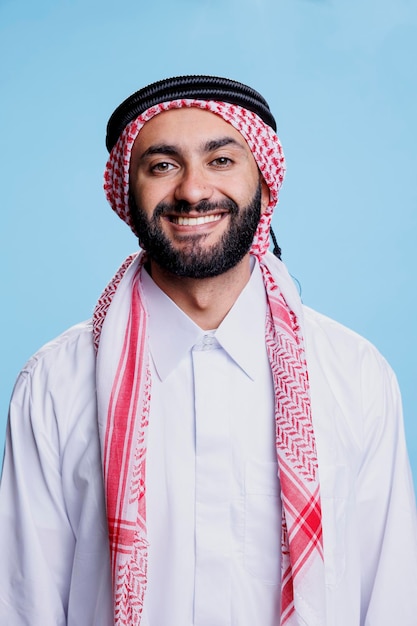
pixel 241 186
pixel 148 193
pixel 143 195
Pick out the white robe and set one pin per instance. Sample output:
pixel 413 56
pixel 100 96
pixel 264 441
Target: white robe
pixel 54 564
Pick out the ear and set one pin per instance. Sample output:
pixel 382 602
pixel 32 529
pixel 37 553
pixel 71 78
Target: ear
pixel 265 196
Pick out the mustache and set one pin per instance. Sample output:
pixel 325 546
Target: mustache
pixel 204 206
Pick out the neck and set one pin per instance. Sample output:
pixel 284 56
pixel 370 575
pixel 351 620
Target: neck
pixel 205 300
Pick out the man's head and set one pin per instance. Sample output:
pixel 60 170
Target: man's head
pixel 197 194
pixel 195 145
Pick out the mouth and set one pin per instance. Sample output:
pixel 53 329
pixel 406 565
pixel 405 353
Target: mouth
pixel 187 220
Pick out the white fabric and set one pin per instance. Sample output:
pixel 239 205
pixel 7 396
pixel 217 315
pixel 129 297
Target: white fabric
pixel 127 414
pixel 54 566
pixel 213 505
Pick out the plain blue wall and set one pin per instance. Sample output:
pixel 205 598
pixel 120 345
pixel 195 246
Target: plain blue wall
pixel 341 80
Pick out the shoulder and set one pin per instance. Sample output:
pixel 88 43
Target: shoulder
pixel 72 346
pixel 348 366
pixel 60 370
pixel 352 384
pixel 56 388
pixel 316 321
pixel 327 337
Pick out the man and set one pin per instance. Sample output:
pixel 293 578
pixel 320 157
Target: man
pixel 206 451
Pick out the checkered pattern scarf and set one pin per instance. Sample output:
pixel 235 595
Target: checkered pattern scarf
pixel 124 395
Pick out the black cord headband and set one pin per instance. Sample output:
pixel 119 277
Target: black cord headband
pixel 182 87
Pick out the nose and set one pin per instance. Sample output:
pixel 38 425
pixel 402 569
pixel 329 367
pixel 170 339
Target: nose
pixel 193 186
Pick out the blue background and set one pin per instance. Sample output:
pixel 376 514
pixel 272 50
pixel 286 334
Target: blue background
pixel 341 80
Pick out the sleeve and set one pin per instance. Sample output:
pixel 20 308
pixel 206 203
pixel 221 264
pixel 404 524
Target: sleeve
pixel 387 509
pixel 36 539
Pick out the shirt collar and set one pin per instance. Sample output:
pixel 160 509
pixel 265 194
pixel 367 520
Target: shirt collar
pixel 172 334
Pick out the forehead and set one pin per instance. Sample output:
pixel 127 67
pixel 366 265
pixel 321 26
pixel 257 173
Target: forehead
pixel 187 128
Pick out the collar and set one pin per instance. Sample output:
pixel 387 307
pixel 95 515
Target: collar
pixel 172 334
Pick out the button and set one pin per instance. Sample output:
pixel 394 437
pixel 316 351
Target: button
pixel 207 342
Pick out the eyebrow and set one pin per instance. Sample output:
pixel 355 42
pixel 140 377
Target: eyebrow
pixel 215 144
pixel 161 148
pixel 172 150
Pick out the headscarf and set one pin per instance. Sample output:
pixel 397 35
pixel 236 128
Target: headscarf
pixel 123 375
pixel 239 105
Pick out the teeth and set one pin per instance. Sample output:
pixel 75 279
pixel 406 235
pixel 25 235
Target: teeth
pixel 196 221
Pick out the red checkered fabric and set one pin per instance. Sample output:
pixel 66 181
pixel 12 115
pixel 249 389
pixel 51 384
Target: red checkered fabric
pixel 124 397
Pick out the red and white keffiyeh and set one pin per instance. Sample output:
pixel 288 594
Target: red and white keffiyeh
pixel 124 395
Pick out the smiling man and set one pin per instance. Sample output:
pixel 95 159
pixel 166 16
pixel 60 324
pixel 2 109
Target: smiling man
pixel 206 451
pixel 196 200
pixel 204 189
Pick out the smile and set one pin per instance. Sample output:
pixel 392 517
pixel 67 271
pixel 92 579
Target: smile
pixel 195 221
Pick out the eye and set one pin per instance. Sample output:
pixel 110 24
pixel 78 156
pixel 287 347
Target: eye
pixel 162 167
pixel 222 161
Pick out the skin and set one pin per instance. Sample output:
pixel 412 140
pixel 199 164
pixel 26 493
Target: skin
pixel 193 155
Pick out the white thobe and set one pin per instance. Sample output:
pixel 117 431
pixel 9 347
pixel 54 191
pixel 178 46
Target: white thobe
pixel 54 565
pixel 213 504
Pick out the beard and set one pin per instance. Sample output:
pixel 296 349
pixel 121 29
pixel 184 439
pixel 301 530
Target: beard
pixel 194 260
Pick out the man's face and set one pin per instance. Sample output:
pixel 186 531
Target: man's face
pixel 197 191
